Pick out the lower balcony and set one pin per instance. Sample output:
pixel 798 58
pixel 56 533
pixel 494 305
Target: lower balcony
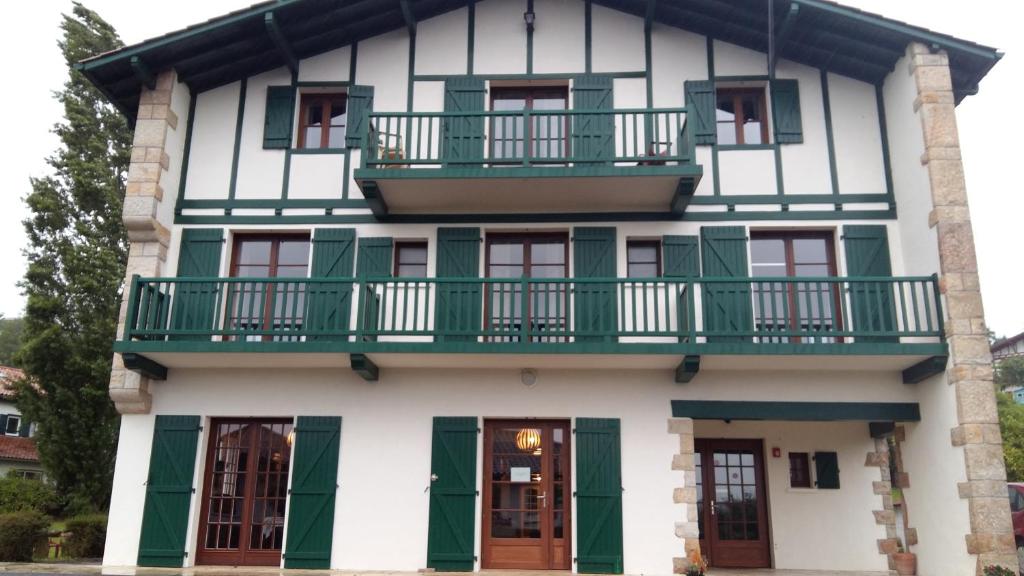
pixel 892 324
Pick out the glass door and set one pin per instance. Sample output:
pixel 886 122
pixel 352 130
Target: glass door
pixel 732 511
pixel 546 304
pixel 526 482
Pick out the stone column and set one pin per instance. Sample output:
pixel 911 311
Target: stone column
pixel 970 362
pixel 687 494
pixel 147 236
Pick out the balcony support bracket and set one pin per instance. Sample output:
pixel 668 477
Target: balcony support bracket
pixel 683 196
pixel 881 429
pixel 687 369
pixel 144 366
pixel 362 365
pixel 925 369
pixel 371 192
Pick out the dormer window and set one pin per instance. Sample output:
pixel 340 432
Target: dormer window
pixel 741 116
pixel 323 121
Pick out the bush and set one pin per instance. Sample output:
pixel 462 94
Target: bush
pixel 18 494
pixel 85 536
pixel 21 534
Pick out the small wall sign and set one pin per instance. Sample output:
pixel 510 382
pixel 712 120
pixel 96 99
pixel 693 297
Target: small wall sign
pixel 520 474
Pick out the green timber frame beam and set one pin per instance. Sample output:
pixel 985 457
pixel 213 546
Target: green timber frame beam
pixel 687 369
pixel 782 37
pixel 142 72
pixel 362 365
pixel 797 411
pixel 408 15
pixel 144 366
pixel 925 369
pixel 283 47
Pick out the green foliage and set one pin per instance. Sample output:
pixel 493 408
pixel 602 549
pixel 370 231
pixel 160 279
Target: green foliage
pixel 993 570
pixel 1010 372
pixel 11 330
pixel 1011 426
pixel 76 252
pixel 87 535
pixel 21 534
pixel 17 494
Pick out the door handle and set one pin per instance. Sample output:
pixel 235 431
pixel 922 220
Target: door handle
pixel 712 507
pixel 543 498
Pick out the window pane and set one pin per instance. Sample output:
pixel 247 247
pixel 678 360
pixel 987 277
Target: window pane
pixel 336 137
pixel 412 270
pixel 752 133
pixel 293 252
pixel 507 253
pixel 338 114
pixel 768 256
pixel 810 251
pixel 547 253
pixel 549 103
pixel 645 253
pixel 312 137
pixel 509 103
pixel 315 113
pixel 254 252
pixel 726 118
pixel 412 260
pixel 642 270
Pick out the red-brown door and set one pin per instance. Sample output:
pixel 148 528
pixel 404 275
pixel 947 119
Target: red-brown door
pixel 244 492
pixel 732 510
pixel 526 495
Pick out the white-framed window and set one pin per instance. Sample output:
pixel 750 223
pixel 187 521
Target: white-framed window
pixel 13 426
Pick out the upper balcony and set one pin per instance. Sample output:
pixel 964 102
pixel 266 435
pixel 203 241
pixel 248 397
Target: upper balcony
pixel 529 161
pixel 733 323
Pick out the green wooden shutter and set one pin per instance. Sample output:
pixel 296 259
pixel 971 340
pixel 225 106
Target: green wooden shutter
pixel 195 304
pixel 3 423
pixel 169 487
pixel 700 110
pixel 450 533
pixel 328 303
pixel 681 256
pixel 313 493
pixel 458 306
pixel 826 467
pixel 786 111
pixel 595 304
pixel 358 108
pixel 598 496
pixel 26 428
pixel 593 135
pixel 374 261
pixel 871 303
pixel 463 136
pixel 277 123
pixel 727 306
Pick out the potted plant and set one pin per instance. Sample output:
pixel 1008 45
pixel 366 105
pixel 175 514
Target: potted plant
pixel 993 570
pixel 905 561
pixel 697 564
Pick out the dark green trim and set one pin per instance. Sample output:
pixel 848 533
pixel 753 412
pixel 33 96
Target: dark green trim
pixel 648 23
pixel 287 173
pixel 371 192
pixel 362 365
pixel 189 124
pixel 797 411
pixel 274 204
pixel 529 41
pixel 353 59
pixel 791 199
pixel 470 35
pixel 780 185
pixel 728 147
pixel 783 36
pixel 925 369
pixel 826 102
pixel 743 78
pixel 544 76
pixel 488 173
pixel 142 72
pixel 144 366
pixel 588 36
pixel 324 83
pixel 345 183
pixel 412 69
pixel 280 42
pixel 238 138
pixel 317 151
pixel 884 133
pixel 709 48
pixel 409 16
pixel 716 183
pixel 687 369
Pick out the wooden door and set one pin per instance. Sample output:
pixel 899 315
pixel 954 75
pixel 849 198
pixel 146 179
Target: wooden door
pixel 526 524
pixel 244 492
pixel 732 508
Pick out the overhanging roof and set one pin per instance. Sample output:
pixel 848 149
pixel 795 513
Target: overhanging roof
pixel 817 33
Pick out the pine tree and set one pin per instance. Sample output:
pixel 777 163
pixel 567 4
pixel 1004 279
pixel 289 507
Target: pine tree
pixel 76 261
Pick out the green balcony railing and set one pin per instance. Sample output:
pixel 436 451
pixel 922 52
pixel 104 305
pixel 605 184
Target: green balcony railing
pixel 505 311
pixel 641 136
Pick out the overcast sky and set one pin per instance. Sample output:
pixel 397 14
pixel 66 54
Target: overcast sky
pixel 990 129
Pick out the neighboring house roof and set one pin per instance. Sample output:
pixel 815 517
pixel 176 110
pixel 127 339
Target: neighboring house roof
pixel 8 375
pixel 1007 342
pixel 18 449
pixel 265 36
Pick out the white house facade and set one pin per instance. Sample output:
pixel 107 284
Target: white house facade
pixel 551 285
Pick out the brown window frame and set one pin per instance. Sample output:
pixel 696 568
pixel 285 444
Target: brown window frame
pixel 400 245
pixel 529 94
pixel 306 102
pixel 656 244
pixel 275 248
pixel 803 478
pixel 737 95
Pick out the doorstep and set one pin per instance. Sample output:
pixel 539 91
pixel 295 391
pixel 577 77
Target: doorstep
pixel 62 569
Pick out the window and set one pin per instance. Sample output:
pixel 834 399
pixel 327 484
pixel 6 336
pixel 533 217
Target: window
pixel 411 259
pixel 547 132
pixel 322 121
pixel 807 307
pixel 29 474
pixel 643 259
pixel 13 426
pixel 799 470
pixel 741 116
pixel 265 305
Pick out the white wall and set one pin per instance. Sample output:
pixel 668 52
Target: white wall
pixel 618 41
pixel 259 170
pixel 805 166
pixel 383 62
pixel 441 43
pixel 213 140
pixel 500 37
pixel 676 56
pixel 857 136
pixel 558 39
pixel 329 66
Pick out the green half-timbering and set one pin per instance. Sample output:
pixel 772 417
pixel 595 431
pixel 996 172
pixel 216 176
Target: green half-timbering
pixel 598 496
pixel 463 136
pixel 277 122
pixel 593 135
pixel 169 488
pixel 195 304
pixel 458 307
pixel 328 303
pixel 595 304
pixel 727 305
pixel 313 492
pixel 872 305
pixel 450 534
